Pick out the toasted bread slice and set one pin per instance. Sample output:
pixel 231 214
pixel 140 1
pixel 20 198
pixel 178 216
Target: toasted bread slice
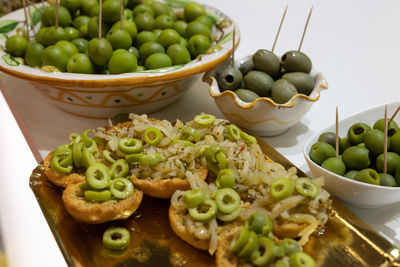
pixel 94 213
pixel 61 180
pixel 164 188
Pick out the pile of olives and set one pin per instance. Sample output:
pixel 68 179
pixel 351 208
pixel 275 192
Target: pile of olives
pixel 153 37
pixel 361 153
pixel 268 76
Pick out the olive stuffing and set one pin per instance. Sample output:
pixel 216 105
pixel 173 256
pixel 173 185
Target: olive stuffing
pixel 152 36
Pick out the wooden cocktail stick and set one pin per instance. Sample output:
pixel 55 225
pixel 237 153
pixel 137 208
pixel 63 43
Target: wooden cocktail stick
pixel 121 15
pixel 32 23
pixel 100 16
pixel 26 18
pixel 233 47
pixel 279 29
pixel 337 133
pixel 56 14
pixel 394 115
pixel 385 130
pixel 305 28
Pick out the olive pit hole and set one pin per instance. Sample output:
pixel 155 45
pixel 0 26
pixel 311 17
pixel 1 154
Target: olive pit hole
pixel 229 78
pixel 116 236
pixel 283 57
pixel 358 130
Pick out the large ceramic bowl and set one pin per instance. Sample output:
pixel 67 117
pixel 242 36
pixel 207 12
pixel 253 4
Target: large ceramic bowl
pixel 102 96
pixel 355 193
pixel 263 116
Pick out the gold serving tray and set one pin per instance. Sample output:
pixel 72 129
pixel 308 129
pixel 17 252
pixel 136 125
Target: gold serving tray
pixel 345 241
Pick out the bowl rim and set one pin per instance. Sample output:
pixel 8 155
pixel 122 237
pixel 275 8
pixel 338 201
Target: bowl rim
pixel 122 79
pixel 354 182
pixel 211 80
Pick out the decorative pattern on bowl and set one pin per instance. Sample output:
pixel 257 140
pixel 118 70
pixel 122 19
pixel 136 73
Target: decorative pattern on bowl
pixel 101 96
pixel 263 116
pixel 355 193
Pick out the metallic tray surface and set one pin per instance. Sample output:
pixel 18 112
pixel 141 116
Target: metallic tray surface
pixel 345 241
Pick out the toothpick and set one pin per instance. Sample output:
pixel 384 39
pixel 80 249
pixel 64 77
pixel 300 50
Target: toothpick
pixel 121 7
pixel 394 114
pixel 56 14
pixel 100 16
pixel 385 142
pixel 32 23
pixel 233 47
pixel 305 28
pixel 337 133
pixel 26 19
pixel 279 29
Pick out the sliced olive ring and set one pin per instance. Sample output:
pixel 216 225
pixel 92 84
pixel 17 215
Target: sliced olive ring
pixel 121 188
pixel 205 211
pixel 130 145
pixel 189 133
pixel 240 240
pixel 204 119
pixel 306 187
pixel 98 176
pixel 259 223
pixel 193 198
pixel 233 132
pixel 281 188
pixel 120 168
pixel 116 238
pixel 264 254
pixel 228 217
pixel 226 178
pixel 152 136
pixel 227 200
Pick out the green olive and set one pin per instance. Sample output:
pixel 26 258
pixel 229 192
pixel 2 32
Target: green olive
pixel 180 26
pixel 64 17
pixel 344 143
pixel 119 39
pixel 328 137
pixel 99 50
pixel 142 8
pixel 69 47
pixel 157 61
pixel 71 5
pixel 196 27
pixel 321 151
pixel 246 66
pixel 205 20
pixel 334 165
pixel 16 45
pixel 169 37
pixel 163 22
pixel 87 5
pixel 178 54
pixel 357 131
pixel 282 91
pixel 55 56
pixel 150 48
pixel 397 174
pixel 193 10
pixel 258 82
pixel 33 54
pixel 369 176
pixel 303 82
pixel 351 174
pixel 72 33
pixel 111 11
pixel 246 95
pixel 80 63
pixel 267 62
pixel 392 126
pixel 54 34
pixel 387 180
pixel 395 143
pixel 122 62
pixel 128 26
pixel 198 44
pixel 144 22
pixel 81 44
pixel 230 79
pixel 374 141
pixel 393 160
pixel 93 28
pixel 356 157
pixel 296 61
pixel 145 36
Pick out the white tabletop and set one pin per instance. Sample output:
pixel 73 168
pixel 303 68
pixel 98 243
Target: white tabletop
pixel 355 44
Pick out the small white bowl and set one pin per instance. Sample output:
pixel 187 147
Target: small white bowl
pixel 357 194
pixel 263 116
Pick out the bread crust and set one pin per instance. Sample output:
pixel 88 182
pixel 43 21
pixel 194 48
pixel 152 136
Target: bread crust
pixel 95 213
pixel 176 220
pixel 61 180
pixel 164 188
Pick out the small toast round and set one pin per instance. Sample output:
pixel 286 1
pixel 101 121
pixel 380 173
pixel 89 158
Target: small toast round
pixel 94 213
pixel 61 180
pixel 164 188
pixel 223 257
pixel 176 220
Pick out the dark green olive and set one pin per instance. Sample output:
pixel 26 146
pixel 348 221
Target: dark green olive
pixel 374 141
pixel 356 158
pixel 230 79
pixel 150 48
pixel 259 82
pixel 81 44
pixel 303 82
pixel 296 61
pixel 357 132
pixel 387 180
pixel 246 66
pixel 393 160
pixel 392 126
pixel 87 5
pixel 397 174
pixel 71 33
pixel 395 143
pixel 54 34
pixel 134 51
pixel 344 143
pixel 334 165
pixel 351 174
pixel 369 176
pixel 267 62
pixel 111 11
pixel 321 151
pixel 328 137
pixel 282 91
pixel 246 95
